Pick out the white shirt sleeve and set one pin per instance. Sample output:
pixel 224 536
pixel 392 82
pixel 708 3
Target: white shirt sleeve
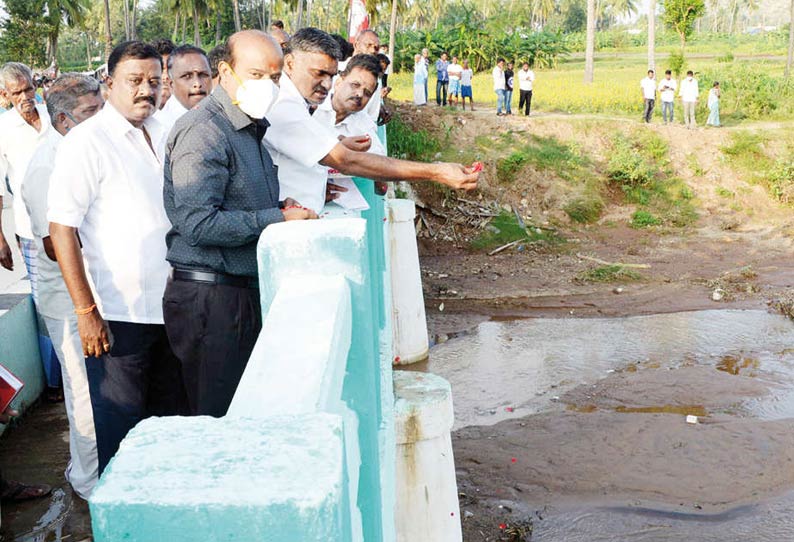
pixel 74 183
pixel 34 194
pixel 294 133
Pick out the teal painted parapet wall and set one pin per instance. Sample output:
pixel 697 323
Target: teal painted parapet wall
pixel 324 288
pixel 19 349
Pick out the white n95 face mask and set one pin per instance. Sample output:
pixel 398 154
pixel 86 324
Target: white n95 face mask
pixel 255 97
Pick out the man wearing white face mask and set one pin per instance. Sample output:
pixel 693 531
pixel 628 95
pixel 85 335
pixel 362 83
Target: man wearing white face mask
pixel 221 191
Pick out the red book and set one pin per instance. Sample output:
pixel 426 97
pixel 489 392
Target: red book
pixel 9 387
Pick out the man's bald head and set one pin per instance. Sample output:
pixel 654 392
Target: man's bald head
pixel 367 43
pixel 252 54
pixel 280 36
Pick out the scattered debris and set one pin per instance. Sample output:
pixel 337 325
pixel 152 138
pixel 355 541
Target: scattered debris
pixel 718 294
pixel 691 419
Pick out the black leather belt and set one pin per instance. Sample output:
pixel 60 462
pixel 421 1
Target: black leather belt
pixel 208 277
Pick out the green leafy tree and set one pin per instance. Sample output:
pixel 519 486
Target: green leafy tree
pixel 25 32
pixel 680 16
pixel 72 12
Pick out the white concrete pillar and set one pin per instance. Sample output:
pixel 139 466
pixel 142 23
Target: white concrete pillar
pixel 427 508
pixel 409 323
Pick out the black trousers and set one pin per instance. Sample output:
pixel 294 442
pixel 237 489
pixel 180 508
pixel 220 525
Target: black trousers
pixel 647 113
pixel 441 89
pixel 384 80
pixel 212 329
pixel 140 377
pixel 525 101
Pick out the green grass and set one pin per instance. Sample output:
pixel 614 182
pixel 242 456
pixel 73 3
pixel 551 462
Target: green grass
pixel 610 273
pixel 584 210
pixel 615 90
pixel 725 193
pixel 504 228
pixel 644 219
pixel 405 142
pixel 543 153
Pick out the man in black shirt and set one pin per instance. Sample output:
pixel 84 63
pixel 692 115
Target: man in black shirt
pixel 509 88
pixel 220 192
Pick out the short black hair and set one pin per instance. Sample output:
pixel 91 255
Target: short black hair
pixel 345 46
pixel 313 40
pixel 131 49
pixel 383 59
pixel 370 63
pixel 220 53
pixel 668 72
pixel 651 71
pixel 498 60
pixel 690 72
pixel 183 50
pixel 164 46
pixel 278 23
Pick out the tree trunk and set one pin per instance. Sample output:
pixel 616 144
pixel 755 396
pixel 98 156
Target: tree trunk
pixel 108 35
pixel 88 52
pixel 134 20
pixel 790 58
pixel 196 28
pixel 218 27
pixel 184 29
pixel 237 25
pixel 392 31
pixel 299 23
pixel 126 9
pixel 175 35
pixel 652 34
pixel 589 52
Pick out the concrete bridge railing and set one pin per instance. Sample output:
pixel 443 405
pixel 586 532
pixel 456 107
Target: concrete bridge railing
pixel 308 449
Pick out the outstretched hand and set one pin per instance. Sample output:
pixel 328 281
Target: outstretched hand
pixel 6 260
pixel 458 176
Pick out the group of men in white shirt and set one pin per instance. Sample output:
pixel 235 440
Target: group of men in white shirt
pixel 667 87
pixel 152 215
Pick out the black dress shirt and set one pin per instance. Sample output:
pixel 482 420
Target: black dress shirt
pixel 220 189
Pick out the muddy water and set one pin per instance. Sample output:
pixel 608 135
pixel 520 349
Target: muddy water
pixel 503 370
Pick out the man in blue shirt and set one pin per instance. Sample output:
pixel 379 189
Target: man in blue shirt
pixel 442 79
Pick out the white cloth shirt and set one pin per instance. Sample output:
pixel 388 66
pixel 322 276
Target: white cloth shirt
pixel 353 125
pixel 525 79
pixel 54 300
pixel 466 77
pixel 18 141
pixel 169 114
pixel 498 78
pixel 667 88
pixel 689 90
pixel 648 88
pixel 297 142
pixel 454 71
pixel 108 183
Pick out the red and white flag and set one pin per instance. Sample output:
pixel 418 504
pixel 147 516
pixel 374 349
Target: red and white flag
pixel 359 19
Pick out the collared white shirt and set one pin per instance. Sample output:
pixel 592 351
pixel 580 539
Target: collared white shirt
pixel 525 79
pixel 357 124
pixel 667 88
pixel 108 183
pixel 54 301
pixel 498 78
pixel 689 90
pixel 169 114
pixel 18 141
pixel 297 142
pixel 648 88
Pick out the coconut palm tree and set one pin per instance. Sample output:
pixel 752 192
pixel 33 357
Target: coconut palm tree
pixel 108 35
pixel 790 58
pixel 651 34
pixel 589 52
pixel 73 12
pixel 237 25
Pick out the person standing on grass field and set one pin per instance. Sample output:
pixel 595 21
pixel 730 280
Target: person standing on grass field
pixel 466 77
pixel 509 89
pixel 667 88
pixel 426 60
pixel 499 85
pixel 525 79
pixel 420 81
pixel 648 86
pixel 689 96
pixel 442 79
pixel 454 70
pixel 714 105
